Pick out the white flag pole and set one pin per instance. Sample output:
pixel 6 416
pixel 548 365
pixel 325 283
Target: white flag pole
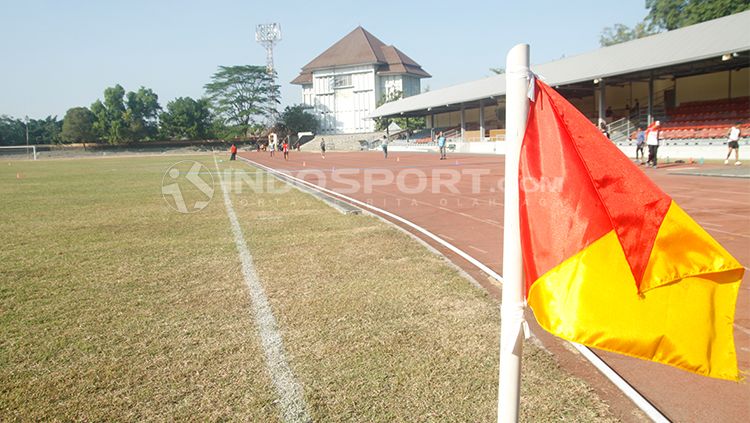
pixel 512 305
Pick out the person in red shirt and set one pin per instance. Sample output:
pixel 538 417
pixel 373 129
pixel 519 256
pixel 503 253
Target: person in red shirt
pixel 233 152
pixel 285 148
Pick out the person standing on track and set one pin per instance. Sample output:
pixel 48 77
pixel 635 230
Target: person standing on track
pixel 285 148
pixel 652 140
pixel 734 144
pixel 384 146
pixel 323 148
pixel 441 145
pixel 273 142
pixel 640 140
pixel 233 152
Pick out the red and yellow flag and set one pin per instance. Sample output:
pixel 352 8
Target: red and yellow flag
pixel 611 261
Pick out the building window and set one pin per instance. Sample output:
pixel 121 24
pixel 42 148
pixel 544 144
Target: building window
pixel 342 81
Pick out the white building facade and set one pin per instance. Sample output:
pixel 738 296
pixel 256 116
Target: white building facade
pixel 344 84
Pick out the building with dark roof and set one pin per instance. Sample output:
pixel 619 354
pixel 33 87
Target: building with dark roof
pixel 344 83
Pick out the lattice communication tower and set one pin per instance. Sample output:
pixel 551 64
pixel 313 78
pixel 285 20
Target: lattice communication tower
pixel 268 35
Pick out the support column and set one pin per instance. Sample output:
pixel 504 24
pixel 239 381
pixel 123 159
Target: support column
pixel 432 127
pixel 602 105
pixel 481 120
pixel 729 95
pixel 463 122
pixel 650 110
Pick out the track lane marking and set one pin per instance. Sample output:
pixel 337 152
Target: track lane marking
pixel 639 400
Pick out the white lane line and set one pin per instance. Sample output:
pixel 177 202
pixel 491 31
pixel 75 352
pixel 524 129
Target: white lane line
pixel 639 400
pixel 477 249
pixel 743 329
pixel 742 203
pixel 728 233
pixel 288 389
pixel 416 227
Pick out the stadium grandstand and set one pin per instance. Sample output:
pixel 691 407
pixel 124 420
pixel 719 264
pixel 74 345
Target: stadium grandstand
pixel 695 80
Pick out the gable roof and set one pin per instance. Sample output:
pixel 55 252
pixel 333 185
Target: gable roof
pixel 360 47
pixel 699 43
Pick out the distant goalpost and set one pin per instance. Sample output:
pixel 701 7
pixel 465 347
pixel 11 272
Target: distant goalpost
pixel 25 148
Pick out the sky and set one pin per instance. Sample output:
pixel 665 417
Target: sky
pixel 55 55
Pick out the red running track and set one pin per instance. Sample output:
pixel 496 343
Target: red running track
pixel 460 200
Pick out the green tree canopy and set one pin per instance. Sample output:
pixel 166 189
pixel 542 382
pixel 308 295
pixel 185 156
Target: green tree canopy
pixel 296 119
pixel 141 114
pixel 12 131
pixel 118 121
pixel 673 14
pixel 405 123
pixel 110 119
pixel 619 33
pixel 40 131
pixel 186 118
pixel 78 125
pixel 669 15
pixel 241 95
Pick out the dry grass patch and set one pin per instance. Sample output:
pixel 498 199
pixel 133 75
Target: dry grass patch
pixel 114 306
pixel 377 328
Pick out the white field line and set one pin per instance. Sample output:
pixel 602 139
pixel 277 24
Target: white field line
pixel 641 402
pixel 288 389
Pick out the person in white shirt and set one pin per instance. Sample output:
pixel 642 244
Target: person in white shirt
pixel 734 144
pixel 652 140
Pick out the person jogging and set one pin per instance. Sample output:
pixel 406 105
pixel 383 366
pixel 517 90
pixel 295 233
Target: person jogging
pixel 384 146
pixel 323 148
pixel 285 149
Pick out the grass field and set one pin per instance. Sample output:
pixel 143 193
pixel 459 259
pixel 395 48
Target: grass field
pixel 114 306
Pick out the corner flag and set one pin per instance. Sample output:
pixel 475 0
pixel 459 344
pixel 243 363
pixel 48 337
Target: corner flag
pixel 610 260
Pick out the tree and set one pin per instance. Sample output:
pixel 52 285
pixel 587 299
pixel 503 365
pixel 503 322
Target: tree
pixel 619 33
pixel 673 14
pixel 296 119
pixel 110 119
pixel 45 131
pixel 118 120
pixel 12 131
pixel 78 125
pixel 141 114
pixel 405 123
pixel 669 15
pixel 186 118
pixel 241 95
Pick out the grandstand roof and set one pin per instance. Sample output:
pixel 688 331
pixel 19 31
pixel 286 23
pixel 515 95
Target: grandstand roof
pixel 666 52
pixel 359 47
